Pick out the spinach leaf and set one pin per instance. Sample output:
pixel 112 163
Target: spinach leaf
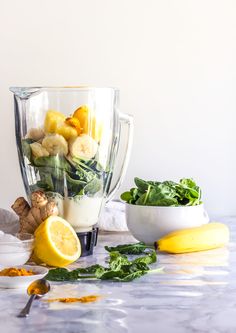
pixel 92 187
pixel 85 273
pixel 117 260
pixel 58 274
pixel 126 272
pixel 25 143
pixel 46 181
pixel 88 270
pixel 130 276
pixel 63 274
pixel 135 248
pixel 126 196
pixel 74 182
pixel 143 184
pixel 161 195
pixel 58 162
pixel 188 182
pixel 122 276
pixel 150 258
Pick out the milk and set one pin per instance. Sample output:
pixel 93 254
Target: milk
pixel 81 212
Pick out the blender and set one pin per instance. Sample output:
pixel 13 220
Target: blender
pixel 68 140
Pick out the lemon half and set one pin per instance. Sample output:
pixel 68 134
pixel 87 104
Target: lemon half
pixel 56 243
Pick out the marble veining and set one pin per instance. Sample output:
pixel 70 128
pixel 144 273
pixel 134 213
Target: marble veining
pixel 195 293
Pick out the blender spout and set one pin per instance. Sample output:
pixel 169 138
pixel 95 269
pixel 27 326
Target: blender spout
pixel 24 92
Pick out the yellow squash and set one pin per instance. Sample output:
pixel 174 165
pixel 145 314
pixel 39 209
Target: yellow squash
pixel 206 237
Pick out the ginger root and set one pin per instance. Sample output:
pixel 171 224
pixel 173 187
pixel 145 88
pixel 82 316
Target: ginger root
pixel 32 217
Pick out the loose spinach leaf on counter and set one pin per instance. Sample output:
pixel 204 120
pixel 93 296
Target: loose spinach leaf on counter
pixel 63 274
pixel 150 258
pixel 120 268
pixel 167 193
pixel 58 274
pixel 125 273
pixel 117 260
pixel 88 270
pixel 130 276
pixel 136 248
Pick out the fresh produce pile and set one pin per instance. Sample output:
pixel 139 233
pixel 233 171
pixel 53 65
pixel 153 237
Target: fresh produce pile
pixel 119 269
pixel 167 193
pixel 65 150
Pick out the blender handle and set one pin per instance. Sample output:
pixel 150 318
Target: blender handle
pixel 128 121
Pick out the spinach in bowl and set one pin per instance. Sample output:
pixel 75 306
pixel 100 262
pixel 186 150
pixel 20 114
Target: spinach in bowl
pixel 167 193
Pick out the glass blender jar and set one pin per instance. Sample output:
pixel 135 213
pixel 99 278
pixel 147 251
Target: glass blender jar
pixel 68 139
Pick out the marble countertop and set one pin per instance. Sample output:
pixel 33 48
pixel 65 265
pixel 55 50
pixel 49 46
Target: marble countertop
pixel 195 293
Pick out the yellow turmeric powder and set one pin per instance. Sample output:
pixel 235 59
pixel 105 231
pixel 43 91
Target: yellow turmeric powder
pixel 36 291
pixel 84 299
pixel 12 271
pixel 37 288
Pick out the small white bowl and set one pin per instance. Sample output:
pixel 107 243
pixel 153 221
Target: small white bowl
pixel 150 223
pixel 14 282
pixel 16 251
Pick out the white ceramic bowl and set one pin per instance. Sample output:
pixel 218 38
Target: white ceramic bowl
pixel 23 281
pixel 149 223
pixel 16 251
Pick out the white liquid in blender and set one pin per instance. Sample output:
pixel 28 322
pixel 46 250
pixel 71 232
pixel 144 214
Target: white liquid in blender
pixel 81 213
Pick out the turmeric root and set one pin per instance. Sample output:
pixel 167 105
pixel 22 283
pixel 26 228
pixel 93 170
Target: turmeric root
pixel 32 217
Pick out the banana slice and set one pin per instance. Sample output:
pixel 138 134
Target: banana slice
pixel 55 144
pixel 83 147
pixel 36 134
pixel 38 150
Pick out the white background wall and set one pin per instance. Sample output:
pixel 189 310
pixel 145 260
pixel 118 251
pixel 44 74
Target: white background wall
pixel 174 62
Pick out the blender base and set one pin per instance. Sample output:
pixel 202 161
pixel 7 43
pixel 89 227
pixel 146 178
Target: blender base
pixel 88 239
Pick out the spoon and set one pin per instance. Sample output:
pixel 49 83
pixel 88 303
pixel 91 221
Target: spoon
pixel 36 289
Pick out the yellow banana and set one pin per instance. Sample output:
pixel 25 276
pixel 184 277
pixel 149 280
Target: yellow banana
pixel 206 237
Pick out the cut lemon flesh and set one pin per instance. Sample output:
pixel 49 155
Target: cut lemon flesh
pixel 63 238
pixel 56 243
